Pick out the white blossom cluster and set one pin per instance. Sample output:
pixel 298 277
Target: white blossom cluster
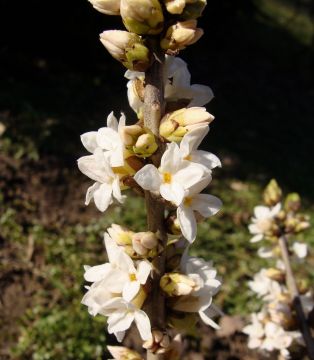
pixel 274 328
pixel 120 287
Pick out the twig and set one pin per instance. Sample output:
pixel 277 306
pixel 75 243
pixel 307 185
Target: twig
pixel 294 292
pixel 153 110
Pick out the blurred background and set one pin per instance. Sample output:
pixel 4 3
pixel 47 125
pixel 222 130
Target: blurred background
pixel 57 81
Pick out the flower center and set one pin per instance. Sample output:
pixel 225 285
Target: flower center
pixel 132 277
pixel 189 158
pixel 188 201
pixel 167 178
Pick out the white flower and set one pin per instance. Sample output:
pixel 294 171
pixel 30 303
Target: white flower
pixel 177 80
pixel 121 315
pixel 262 221
pixel 119 275
pixel 265 287
pixel 107 185
pixel 108 139
pixel 200 300
pixel 269 336
pixel 299 249
pixel 189 145
pixel 173 177
pixel 204 204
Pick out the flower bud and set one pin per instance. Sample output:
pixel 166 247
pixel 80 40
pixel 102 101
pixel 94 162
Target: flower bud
pixel 143 17
pixel 175 284
pixel 143 242
pixel 108 7
pixel 193 9
pixel 175 125
pixel 123 353
pixel 180 35
pixel 120 235
pixel 139 141
pixel 175 6
pixel 292 202
pixel 276 274
pixel 127 48
pixel 159 343
pixel 272 194
pixel 145 146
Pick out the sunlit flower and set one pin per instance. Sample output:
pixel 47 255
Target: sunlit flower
pixel 299 249
pixel 121 314
pixel 207 285
pixel 108 139
pixel 107 185
pixel 204 204
pixel 177 86
pixel 268 336
pixel 262 221
pixel 173 177
pixel 264 286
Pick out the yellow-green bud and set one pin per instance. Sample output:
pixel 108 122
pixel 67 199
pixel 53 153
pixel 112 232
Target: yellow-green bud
pixel 175 125
pixel 180 35
pixel 108 7
pixel 276 274
pixel 139 140
pixel 175 284
pixel 120 235
pixel 127 48
pixel 145 145
pixel 272 193
pixel 292 202
pixel 143 17
pixel 130 134
pixel 123 353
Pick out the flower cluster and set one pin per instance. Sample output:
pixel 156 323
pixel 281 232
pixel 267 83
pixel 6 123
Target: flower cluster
pixel 274 327
pixel 124 157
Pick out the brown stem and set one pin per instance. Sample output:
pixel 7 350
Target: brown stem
pixel 153 111
pixel 294 292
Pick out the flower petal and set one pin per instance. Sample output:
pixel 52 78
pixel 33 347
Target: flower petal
pixel 143 270
pixel 89 141
pixel 187 222
pixel 130 290
pixel 192 140
pixel 202 95
pixel 206 205
pixel 207 159
pixel 112 122
pixel 148 178
pixel 173 192
pixel 97 273
pixel 120 321
pixel 103 197
pixel 90 192
pixel 143 324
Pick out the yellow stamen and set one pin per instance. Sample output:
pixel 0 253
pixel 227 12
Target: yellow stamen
pixel 189 158
pixel 188 201
pixel 167 178
pixel 132 277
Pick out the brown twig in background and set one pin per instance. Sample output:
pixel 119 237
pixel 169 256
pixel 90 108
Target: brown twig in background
pixel 294 292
